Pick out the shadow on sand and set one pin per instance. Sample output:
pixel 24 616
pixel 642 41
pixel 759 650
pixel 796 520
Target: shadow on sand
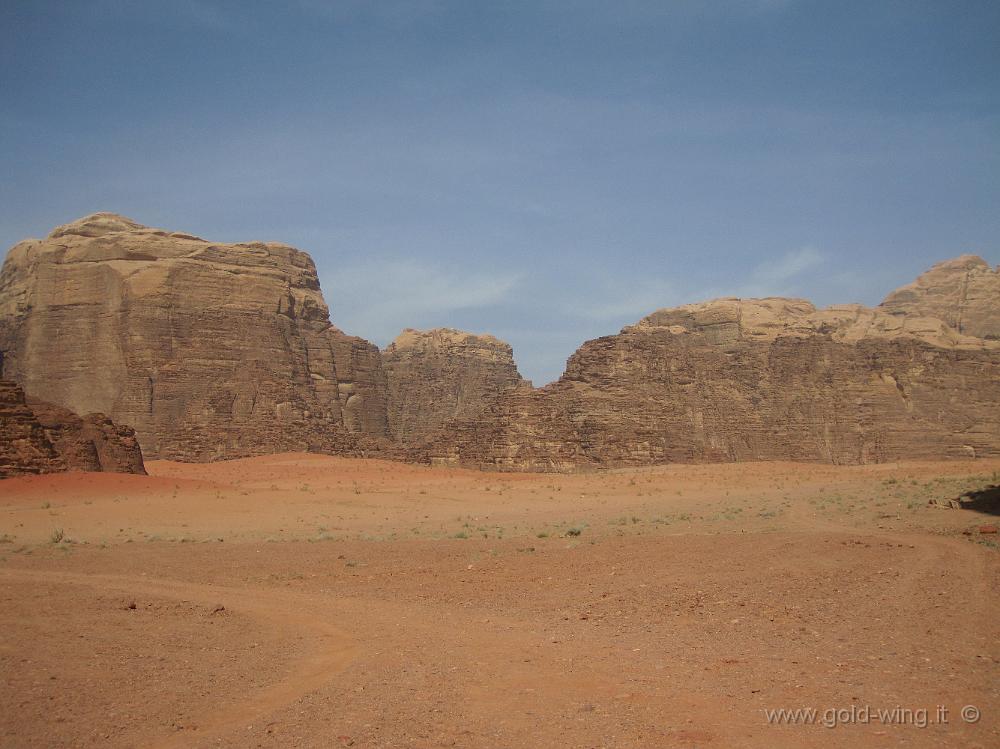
pixel 985 500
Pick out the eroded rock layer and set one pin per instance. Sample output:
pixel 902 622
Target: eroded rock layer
pixel 964 293
pixel 209 350
pixel 440 375
pixel 38 437
pixel 223 350
pixel 764 379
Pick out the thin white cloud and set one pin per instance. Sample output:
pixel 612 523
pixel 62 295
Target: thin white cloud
pixel 377 299
pixel 629 301
pixel 789 275
pixel 776 274
pixel 625 302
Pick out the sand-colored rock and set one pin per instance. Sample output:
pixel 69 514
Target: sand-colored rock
pixel 217 351
pixel 440 375
pixel 728 320
pixel 761 379
pixel 964 293
pixel 38 437
pixel 209 350
pixel 361 384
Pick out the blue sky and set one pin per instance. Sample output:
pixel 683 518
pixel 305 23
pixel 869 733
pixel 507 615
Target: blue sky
pixel 545 171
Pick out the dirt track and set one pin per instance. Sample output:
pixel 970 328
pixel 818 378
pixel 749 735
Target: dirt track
pixel 309 601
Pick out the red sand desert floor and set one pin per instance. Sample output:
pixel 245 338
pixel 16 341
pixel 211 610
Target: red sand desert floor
pixel 302 600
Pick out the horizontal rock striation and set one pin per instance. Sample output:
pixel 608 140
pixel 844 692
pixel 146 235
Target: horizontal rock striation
pixel 225 350
pixel 38 437
pixel 209 350
pixel 763 379
pixel 24 446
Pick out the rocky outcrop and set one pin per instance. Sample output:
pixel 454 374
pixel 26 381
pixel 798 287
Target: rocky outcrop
pixel 89 443
pixel 441 375
pixel 38 437
pixel 964 293
pixel 761 379
pixel 225 350
pixel 209 350
pixel 361 384
pixel 24 446
pixel 652 396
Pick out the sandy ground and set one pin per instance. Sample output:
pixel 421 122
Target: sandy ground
pixel 311 601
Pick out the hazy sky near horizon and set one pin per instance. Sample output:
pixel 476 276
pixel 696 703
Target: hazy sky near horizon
pixel 544 171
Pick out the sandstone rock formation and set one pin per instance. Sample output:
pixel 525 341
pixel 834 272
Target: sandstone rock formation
pixel 38 437
pixel 964 293
pixel 439 375
pixel 209 350
pixel 361 384
pixel 24 446
pixel 223 350
pixel 765 379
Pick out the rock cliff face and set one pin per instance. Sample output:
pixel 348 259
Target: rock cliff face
pixel 765 379
pixel 361 384
pixel 38 437
pixel 24 446
pixel 219 351
pixel 440 375
pixel 964 293
pixel 209 350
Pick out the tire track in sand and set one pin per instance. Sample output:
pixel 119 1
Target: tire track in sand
pixel 332 650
